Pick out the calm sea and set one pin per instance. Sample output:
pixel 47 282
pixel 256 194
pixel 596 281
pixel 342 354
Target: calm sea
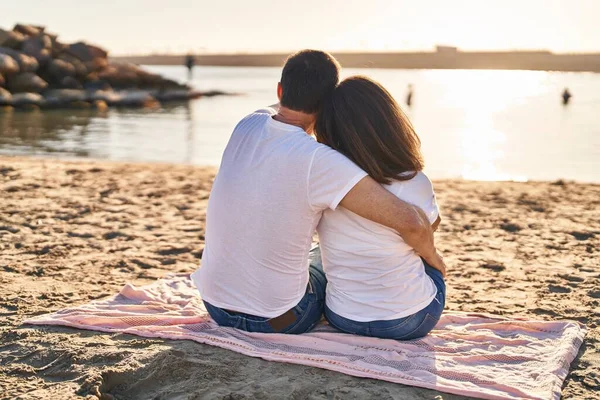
pixel 482 125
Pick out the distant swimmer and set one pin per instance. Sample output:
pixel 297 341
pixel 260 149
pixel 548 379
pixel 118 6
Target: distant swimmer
pixel 409 95
pixel 189 63
pixel 566 96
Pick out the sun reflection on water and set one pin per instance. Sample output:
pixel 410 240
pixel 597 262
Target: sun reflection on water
pixel 482 148
pixel 481 100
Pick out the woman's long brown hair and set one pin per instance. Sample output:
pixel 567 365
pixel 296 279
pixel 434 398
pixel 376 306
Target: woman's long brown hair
pixel 363 121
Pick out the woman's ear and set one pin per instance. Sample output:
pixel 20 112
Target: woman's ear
pixel 279 91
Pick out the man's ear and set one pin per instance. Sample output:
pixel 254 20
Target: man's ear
pixel 279 91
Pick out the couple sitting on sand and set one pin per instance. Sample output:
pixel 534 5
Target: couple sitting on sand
pixel 359 185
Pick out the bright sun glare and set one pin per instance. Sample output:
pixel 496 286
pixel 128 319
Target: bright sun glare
pixel 483 97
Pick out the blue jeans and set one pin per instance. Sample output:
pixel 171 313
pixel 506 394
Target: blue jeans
pixel 307 312
pixel 414 326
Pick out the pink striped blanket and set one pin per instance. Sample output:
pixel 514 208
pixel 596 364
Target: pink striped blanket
pixel 467 354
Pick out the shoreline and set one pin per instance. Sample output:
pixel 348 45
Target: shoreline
pixel 76 159
pixel 73 231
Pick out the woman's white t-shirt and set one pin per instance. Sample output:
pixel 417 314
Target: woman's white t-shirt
pixel 372 273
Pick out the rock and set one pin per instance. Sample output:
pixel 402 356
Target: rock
pixel 57 47
pixel 100 105
pixel 68 82
pixel 97 84
pixel 58 69
pixel 26 82
pixel 137 98
pixel 42 56
pixel 80 68
pixel 8 65
pixel 65 95
pixel 66 98
pixel 5 97
pixel 27 99
pixel 121 76
pixel 148 80
pixel 97 64
pixel 26 63
pixel 171 84
pixel 126 76
pixel 44 41
pixel 107 96
pixel 94 58
pixel 51 38
pixel 156 81
pixel 11 39
pixel 79 75
pixel 173 95
pixel 28 30
pixel 38 47
pixel 86 52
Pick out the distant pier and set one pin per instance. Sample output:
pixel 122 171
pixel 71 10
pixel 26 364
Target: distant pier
pixel 443 58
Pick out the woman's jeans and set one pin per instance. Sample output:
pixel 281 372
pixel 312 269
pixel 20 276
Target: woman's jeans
pixel 300 319
pixel 414 326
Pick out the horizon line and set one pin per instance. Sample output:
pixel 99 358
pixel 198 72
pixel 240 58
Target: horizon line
pixel 283 52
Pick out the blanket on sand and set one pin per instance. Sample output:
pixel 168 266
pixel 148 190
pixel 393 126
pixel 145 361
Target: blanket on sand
pixel 467 354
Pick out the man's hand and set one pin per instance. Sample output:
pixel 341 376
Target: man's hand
pixel 432 256
pixel 438 263
pixel 436 223
pixel 370 200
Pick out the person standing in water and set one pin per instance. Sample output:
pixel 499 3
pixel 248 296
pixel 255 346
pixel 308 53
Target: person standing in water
pixel 189 63
pixel 566 96
pixel 409 95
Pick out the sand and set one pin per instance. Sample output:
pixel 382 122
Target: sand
pixel 71 232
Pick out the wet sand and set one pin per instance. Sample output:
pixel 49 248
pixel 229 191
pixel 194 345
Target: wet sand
pixel 71 232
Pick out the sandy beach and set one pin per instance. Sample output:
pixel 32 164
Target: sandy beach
pixel 71 232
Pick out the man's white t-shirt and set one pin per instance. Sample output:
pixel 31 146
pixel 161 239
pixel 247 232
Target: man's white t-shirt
pixel 273 185
pixel 372 274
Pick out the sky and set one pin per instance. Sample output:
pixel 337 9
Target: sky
pixel 251 26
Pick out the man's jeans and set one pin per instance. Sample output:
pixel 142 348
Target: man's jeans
pixel 308 312
pixel 414 326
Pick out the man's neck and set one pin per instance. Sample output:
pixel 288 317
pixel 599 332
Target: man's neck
pixel 296 118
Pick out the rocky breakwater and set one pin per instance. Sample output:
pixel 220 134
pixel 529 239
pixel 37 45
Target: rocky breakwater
pixel 38 70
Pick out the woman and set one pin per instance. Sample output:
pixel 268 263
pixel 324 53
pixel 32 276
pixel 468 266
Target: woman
pixel 377 285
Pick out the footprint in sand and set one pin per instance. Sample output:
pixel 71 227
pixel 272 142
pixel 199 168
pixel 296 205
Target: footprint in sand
pixel 595 293
pixel 511 227
pixel 170 251
pixel 572 278
pixel 493 266
pixel 559 289
pixel 581 235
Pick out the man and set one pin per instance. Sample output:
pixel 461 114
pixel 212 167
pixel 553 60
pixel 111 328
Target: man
pixel 273 184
